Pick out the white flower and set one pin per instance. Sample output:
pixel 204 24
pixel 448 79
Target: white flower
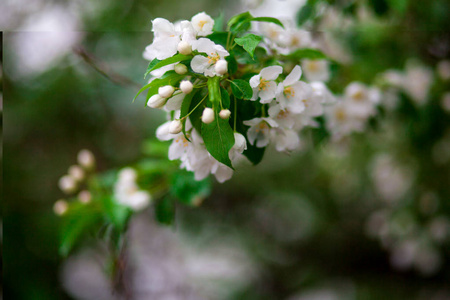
pixel 166 91
pixel 293 39
pixel 362 104
pixel 208 115
pixel 86 159
pixel 221 172
pixel 165 42
pixel 259 131
pixel 224 114
pixel 321 93
pixel 175 127
pixel 283 117
pixel 316 70
pixel 156 101
pixel 206 65
pixel 221 67
pixel 417 82
pixel 203 24
pixel 180 69
pixel 127 192
pixel 76 172
pixel 60 207
pixel 291 93
pixel 186 86
pixel 67 184
pixel 264 85
pixel 285 139
pixel 174 102
pixel 270 30
pixel 240 143
pixel 341 121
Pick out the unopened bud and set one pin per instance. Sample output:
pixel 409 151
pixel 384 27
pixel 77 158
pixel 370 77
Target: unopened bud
pixel 224 114
pixel 166 91
pixel 156 101
pixel 76 172
pixel 175 127
pixel 86 159
pixel 186 86
pixel 84 197
pixel 60 207
pixel 67 184
pixel 208 115
pixel 180 69
pixel 184 48
pixel 221 67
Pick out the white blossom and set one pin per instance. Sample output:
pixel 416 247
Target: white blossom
pixel 76 172
pixel 186 86
pixel 175 127
pixel 259 131
pixel 208 115
pixel 127 193
pixel 292 93
pixel 60 207
pixel 224 114
pixel 203 24
pixel 316 70
pixel 221 67
pixel 166 91
pixel 263 84
pixel 156 101
pixel 67 184
pixel 180 69
pixel 85 196
pixel 206 64
pixel 86 159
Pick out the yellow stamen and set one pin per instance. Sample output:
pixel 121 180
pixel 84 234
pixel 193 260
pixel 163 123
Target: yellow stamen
pixel 213 58
pixel 340 115
pixel 289 92
pixel 358 96
pixel 201 24
pixel 263 84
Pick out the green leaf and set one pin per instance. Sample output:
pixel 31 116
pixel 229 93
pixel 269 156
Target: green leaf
pixel 305 13
pixel 219 139
pixel 225 98
pixel 150 66
pixel 249 42
pixel 165 210
pixel 240 22
pixel 241 89
pixel 117 214
pixel 79 221
pixel 219 38
pixel 185 109
pixel 219 22
pixel 196 114
pixel 268 19
pixel 306 53
pixel 232 64
pixel 171 60
pixel 188 190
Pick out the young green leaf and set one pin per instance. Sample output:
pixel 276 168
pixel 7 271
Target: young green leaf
pixel 241 89
pixel 185 109
pixel 240 22
pixel 171 60
pixel 306 53
pixel 150 66
pixel 249 42
pixel 268 19
pixel 219 139
pixel 196 110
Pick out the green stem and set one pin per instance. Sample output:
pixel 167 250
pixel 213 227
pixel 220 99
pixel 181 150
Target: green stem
pixel 198 104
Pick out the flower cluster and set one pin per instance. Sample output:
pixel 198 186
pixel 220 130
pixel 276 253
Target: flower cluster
pixel 221 100
pixel 127 193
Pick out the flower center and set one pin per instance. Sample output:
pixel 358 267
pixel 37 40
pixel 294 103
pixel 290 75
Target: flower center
pixel 313 66
pixel 263 84
pixel 340 115
pixel 282 114
pixel 295 41
pixel 201 24
pixel 183 141
pixel 305 102
pixel 213 58
pixel 289 92
pixel 358 96
pixel 262 127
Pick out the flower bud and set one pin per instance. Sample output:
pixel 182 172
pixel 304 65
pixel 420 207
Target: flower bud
pixel 175 127
pixel 67 184
pixel 221 67
pixel 184 48
pixel 180 69
pixel 76 172
pixel 224 114
pixel 166 91
pixel 156 101
pixel 60 207
pixel 208 115
pixel 86 159
pixel 186 86
pixel 84 196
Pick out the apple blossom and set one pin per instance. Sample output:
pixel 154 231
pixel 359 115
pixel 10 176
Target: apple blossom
pixel 221 67
pixel 208 115
pixel 175 127
pixel 263 84
pixel 259 131
pixel 166 91
pixel 156 101
pixel 203 24
pixel 224 114
pixel 292 93
pixel 186 86
pixel 180 69
pixel 206 65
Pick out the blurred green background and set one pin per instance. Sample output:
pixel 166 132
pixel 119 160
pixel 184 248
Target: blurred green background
pixel 301 220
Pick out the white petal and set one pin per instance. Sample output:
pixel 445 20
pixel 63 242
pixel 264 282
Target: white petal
pixel 223 173
pixel 199 64
pixel 269 92
pixel 174 103
pixel 271 73
pixel 162 133
pixel 162 27
pixel 254 81
pixel 204 45
pixel 295 75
